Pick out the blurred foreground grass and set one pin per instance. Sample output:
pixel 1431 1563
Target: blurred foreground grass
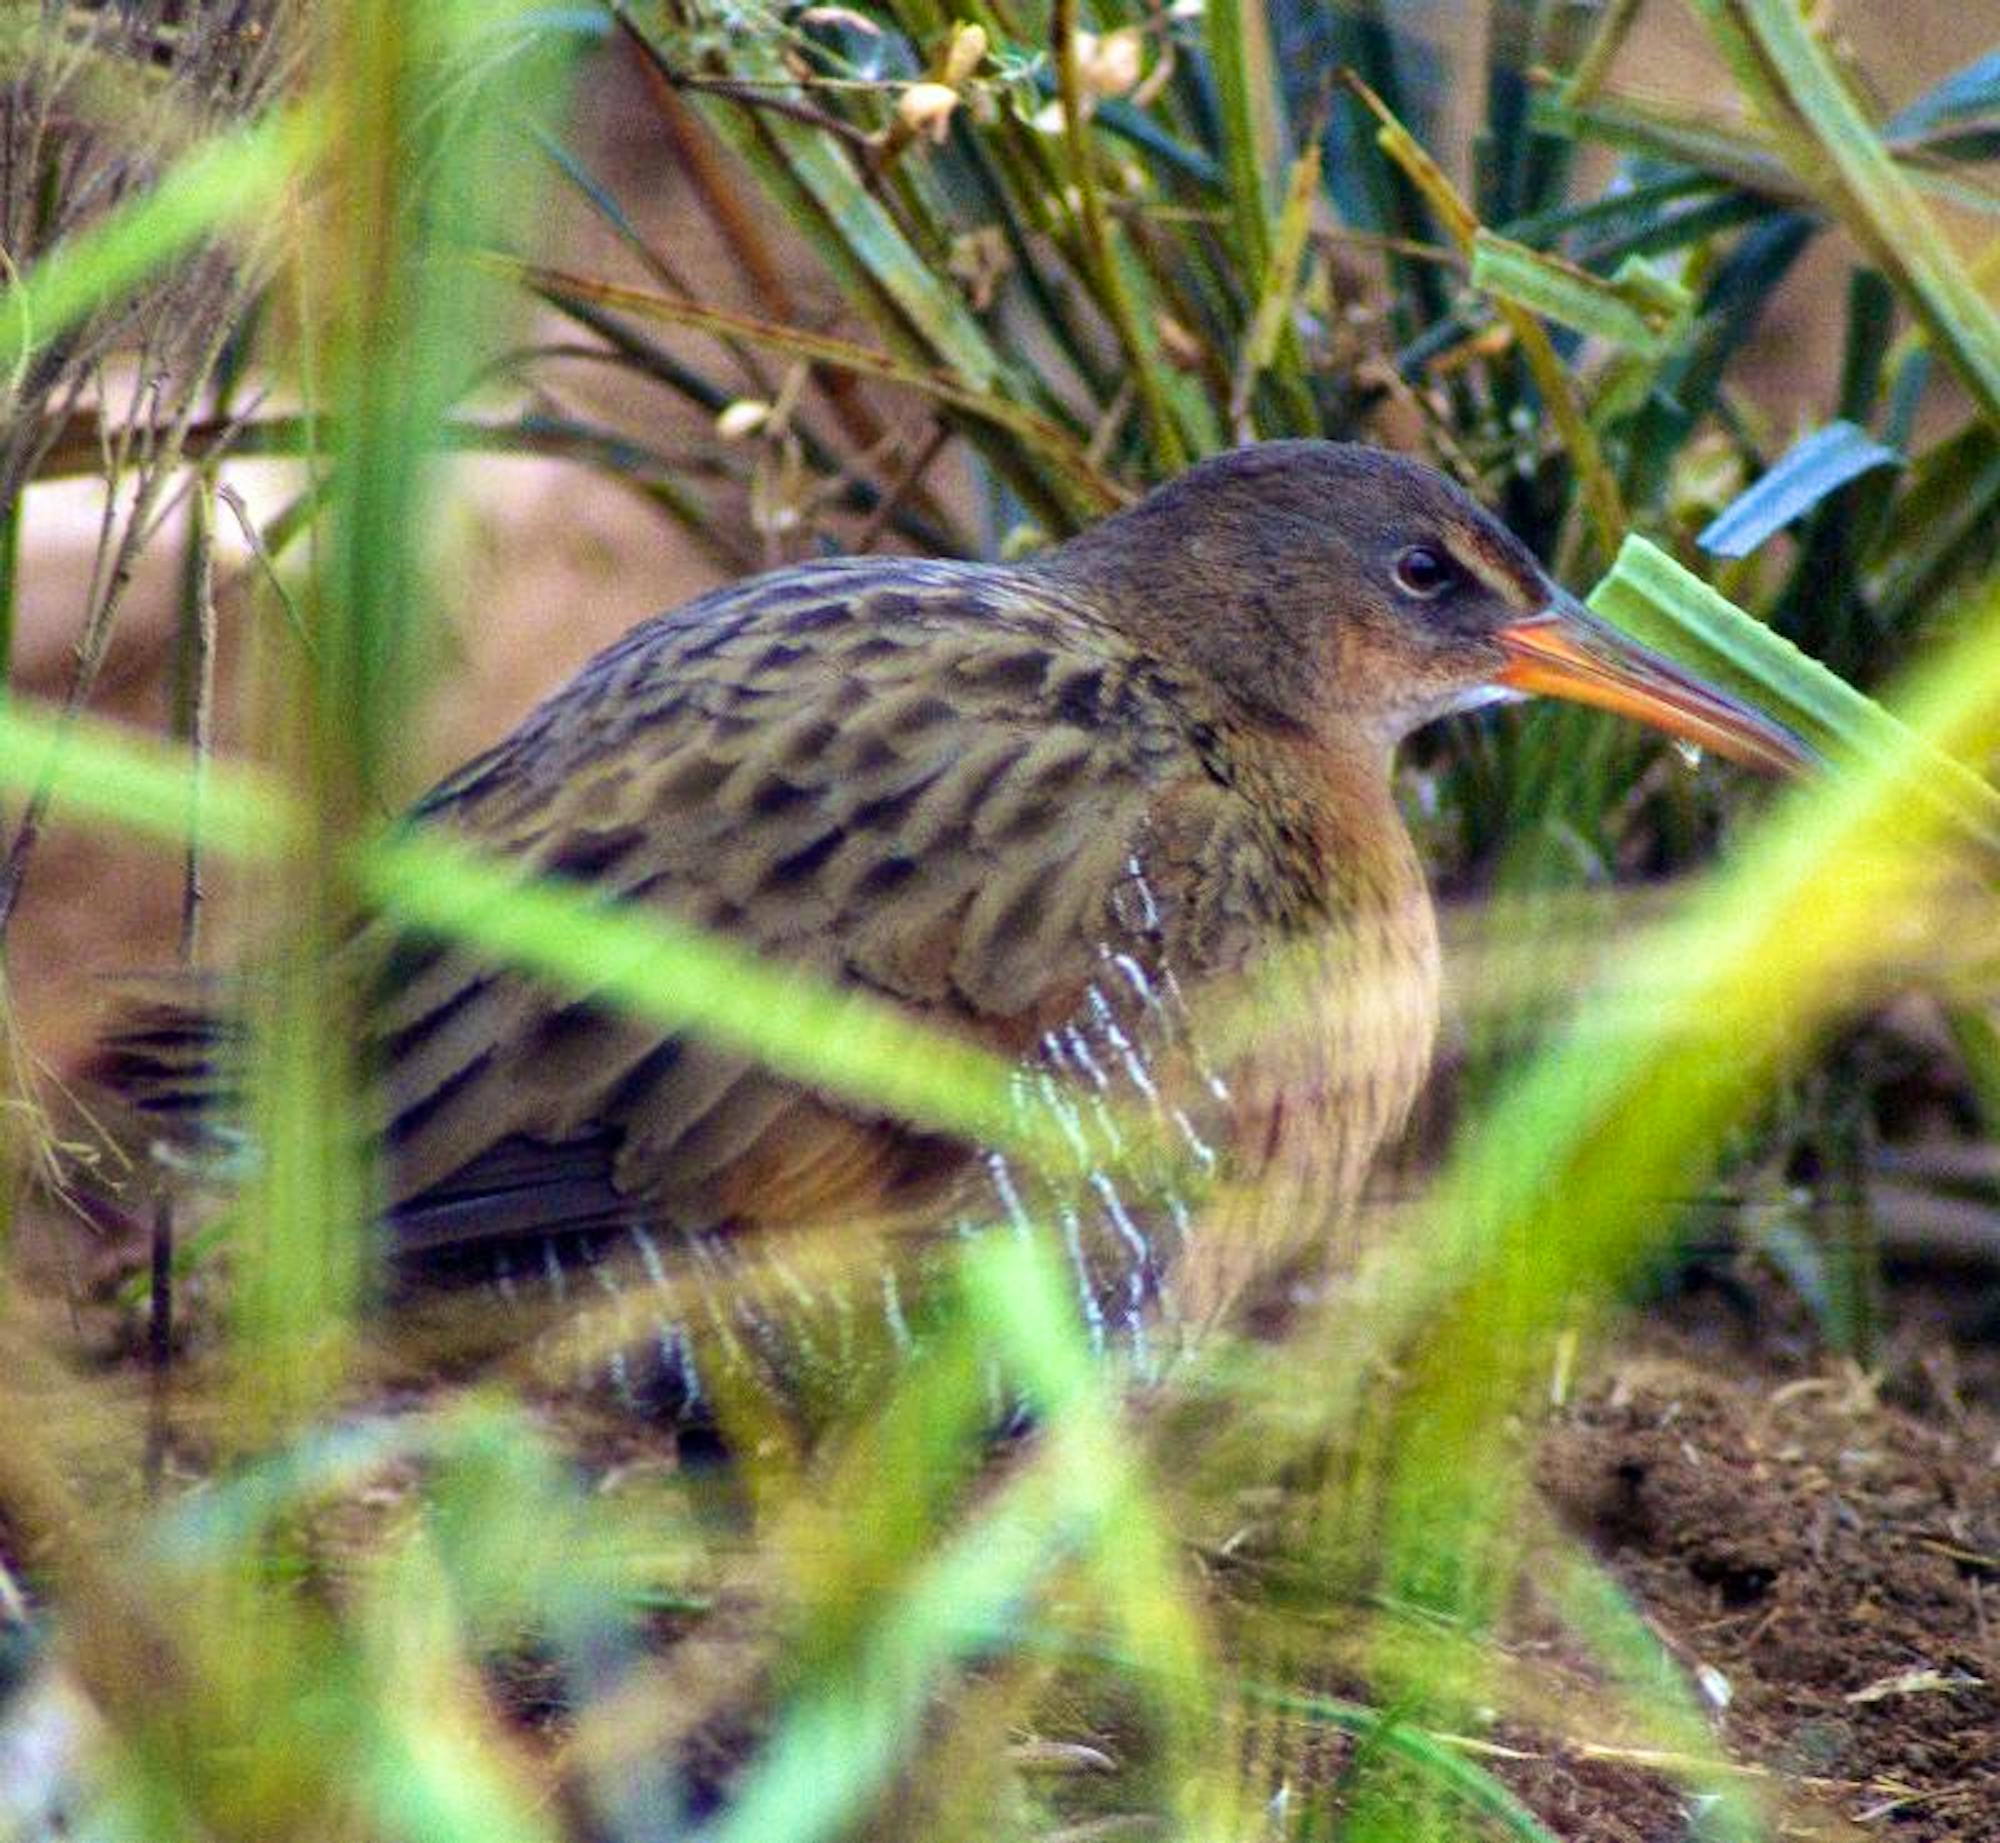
pixel 1081 251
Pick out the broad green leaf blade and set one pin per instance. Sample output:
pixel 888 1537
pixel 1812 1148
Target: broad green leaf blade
pixel 1641 318
pixel 1819 464
pixel 1653 598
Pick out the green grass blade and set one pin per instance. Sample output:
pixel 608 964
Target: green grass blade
pixel 1111 277
pixel 1601 498
pixel 230 184
pixel 1277 299
pixel 1653 598
pixel 1644 320
pixel 139 784
pixel 1249 140
pixel 1574 1174
pixel 868 237
pixel 1811 109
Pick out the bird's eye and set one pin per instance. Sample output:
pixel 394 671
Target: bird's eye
pixel 1425 572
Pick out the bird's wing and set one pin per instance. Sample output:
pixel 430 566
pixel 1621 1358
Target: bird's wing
pixel 912 778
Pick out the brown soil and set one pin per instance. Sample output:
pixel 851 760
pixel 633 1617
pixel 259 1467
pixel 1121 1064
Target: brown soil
pixel 1817 1549
pixel 1826 1563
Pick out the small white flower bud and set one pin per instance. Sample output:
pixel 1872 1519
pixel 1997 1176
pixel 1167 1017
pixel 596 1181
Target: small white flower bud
pixel 927 109
pixel 1109 66
pixel 736 421
pixel 966 53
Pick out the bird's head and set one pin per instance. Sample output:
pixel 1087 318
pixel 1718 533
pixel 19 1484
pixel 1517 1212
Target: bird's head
pixel 1343 591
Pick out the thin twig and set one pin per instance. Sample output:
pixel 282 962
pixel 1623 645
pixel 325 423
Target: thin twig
pixel 117 560
pixel 904 483
pixel 1095 234
pixel 739 228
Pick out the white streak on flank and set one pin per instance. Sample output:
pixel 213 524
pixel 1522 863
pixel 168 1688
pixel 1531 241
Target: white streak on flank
pixel 1064 1113
pixel 1078 1053
pixel 1086 1288
pixel 666 1332
pixel 702 1255
pixel 1100 1084
pixel 649 1256
pixel 1002 1175
pixel 801 1333
pixel 1019 1096
pixel 1135 977
pixel 1142 1260
pixel 1149 910
pixel 1134 1064
pixel 720 1261
pixel 835 1295
pixel 691 1395
pixel 892 1311
pixel 1128 1230
pixel 800 1291
pixel 554 1271
pixel 1216 1085
pixel 620 1370
pixel 1204 1152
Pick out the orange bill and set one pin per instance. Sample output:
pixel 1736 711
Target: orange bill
pixel 1565 651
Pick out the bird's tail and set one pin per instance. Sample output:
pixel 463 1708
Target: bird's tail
pixel 172 1060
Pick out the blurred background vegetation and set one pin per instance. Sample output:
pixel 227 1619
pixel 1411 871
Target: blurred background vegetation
pixel 797 279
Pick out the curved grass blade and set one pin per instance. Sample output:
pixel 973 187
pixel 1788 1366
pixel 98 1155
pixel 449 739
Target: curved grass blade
pixel 1821 129
pixel 1574 1174
pixel 1040 436
pixel 1277 299
pixel 1248 133
pixel 681 976
pixel 1650 596
pixel 691 979
pixel 1111 278
pixel 867 236
pixel 1643 319
pixel 1076 1501
pixel 1601 497
pixel 1814 467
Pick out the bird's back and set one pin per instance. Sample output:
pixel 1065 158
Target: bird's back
pixel 961 789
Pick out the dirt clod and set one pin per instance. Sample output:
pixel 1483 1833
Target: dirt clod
pixel 1833 1559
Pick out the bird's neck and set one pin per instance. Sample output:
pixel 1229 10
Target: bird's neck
pixel 1340 824
pixel 1378 925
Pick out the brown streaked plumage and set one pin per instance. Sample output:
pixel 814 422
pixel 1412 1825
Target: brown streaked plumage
pixel 1015 799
